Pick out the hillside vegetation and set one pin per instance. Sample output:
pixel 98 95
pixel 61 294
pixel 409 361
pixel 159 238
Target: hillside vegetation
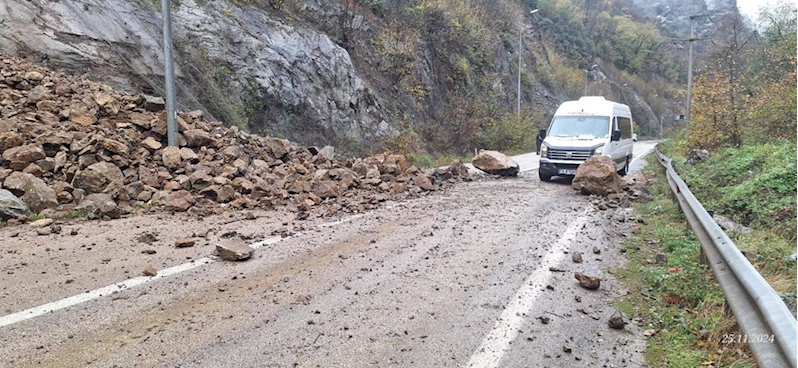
pixel 452 65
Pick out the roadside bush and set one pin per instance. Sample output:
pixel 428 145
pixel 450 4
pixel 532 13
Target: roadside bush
pixel 508 133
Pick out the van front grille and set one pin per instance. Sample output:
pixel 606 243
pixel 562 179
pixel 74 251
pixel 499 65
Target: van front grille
pixel 573 155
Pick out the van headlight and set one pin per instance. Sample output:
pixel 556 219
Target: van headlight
pixel 544 151
pixel 598 150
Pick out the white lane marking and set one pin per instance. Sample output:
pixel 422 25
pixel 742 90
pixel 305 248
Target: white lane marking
pixel 127 284
pixel 646 152
pixel 96 293
pixel 505 331
pixel 270 241
pixel 342 221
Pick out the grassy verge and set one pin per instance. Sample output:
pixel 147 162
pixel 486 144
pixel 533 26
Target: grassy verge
pixel 677 298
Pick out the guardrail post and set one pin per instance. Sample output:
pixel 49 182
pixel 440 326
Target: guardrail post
pixel 702 257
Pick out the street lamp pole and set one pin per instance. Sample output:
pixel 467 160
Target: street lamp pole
pixel 520 49
pixel 690 70
pixel 520 33
pixel 171 124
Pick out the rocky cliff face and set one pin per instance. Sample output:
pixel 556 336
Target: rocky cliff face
pixel 243 65
pixel 673 17
pixel 314 72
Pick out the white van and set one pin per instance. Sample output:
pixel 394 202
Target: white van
pixel 580 129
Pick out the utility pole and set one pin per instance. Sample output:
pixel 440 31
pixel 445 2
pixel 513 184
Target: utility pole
pixel 591 67
pixel 520 33
pixel 660 127
pixel 520 50
pixel 690 69
pixel 171 123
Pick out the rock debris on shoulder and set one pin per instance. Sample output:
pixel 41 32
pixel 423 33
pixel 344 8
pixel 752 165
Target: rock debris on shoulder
pixel 68 144
pixel 588 282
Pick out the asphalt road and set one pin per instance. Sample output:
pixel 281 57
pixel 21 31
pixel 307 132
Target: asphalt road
pixel 458 278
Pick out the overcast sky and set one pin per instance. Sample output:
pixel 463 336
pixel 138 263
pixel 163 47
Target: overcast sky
pixel 751 7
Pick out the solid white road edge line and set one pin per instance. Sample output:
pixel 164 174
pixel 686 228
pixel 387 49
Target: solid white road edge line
pixel 96 293
pixel 644 154
pixel 136 281
pixel 505 331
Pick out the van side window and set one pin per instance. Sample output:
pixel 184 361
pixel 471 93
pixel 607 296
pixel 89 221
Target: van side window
pixel 625 126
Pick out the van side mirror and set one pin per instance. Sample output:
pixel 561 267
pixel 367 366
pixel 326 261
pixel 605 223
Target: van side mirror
pixel 542 133
pixel 616 135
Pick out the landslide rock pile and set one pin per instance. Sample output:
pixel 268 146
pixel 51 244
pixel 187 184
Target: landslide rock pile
pixel 71 145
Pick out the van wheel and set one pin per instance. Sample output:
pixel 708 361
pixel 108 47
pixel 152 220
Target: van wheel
pixel 625 169
pixel 544 177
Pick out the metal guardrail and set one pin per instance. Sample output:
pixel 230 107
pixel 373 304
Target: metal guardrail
pixel 767 324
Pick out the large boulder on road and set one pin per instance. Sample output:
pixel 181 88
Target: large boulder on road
pixel 597 176
pixel 495 163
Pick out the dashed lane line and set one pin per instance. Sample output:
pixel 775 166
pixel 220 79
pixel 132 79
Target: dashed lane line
pixel 505 331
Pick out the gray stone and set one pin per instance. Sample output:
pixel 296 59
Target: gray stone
pixel 31 190
pixel 10 140
pixel 180 200
pixel 188 155
pixel 495 163
pixel 98 176
pixel 98 205
pixel 171 157
pixel 41 223
pixel 151 144
pixel 423 182
pixel 11 206
pixel 234 250
pixel 21 156
pixel 328 152
pixel 152 103
pixel 197 138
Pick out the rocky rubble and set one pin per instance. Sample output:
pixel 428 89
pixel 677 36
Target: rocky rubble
pixel 71 145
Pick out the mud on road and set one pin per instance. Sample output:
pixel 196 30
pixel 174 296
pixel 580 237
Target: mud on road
pixel 422 283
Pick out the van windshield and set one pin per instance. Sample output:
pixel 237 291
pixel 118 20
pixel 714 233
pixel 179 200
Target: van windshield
pixel 576 126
